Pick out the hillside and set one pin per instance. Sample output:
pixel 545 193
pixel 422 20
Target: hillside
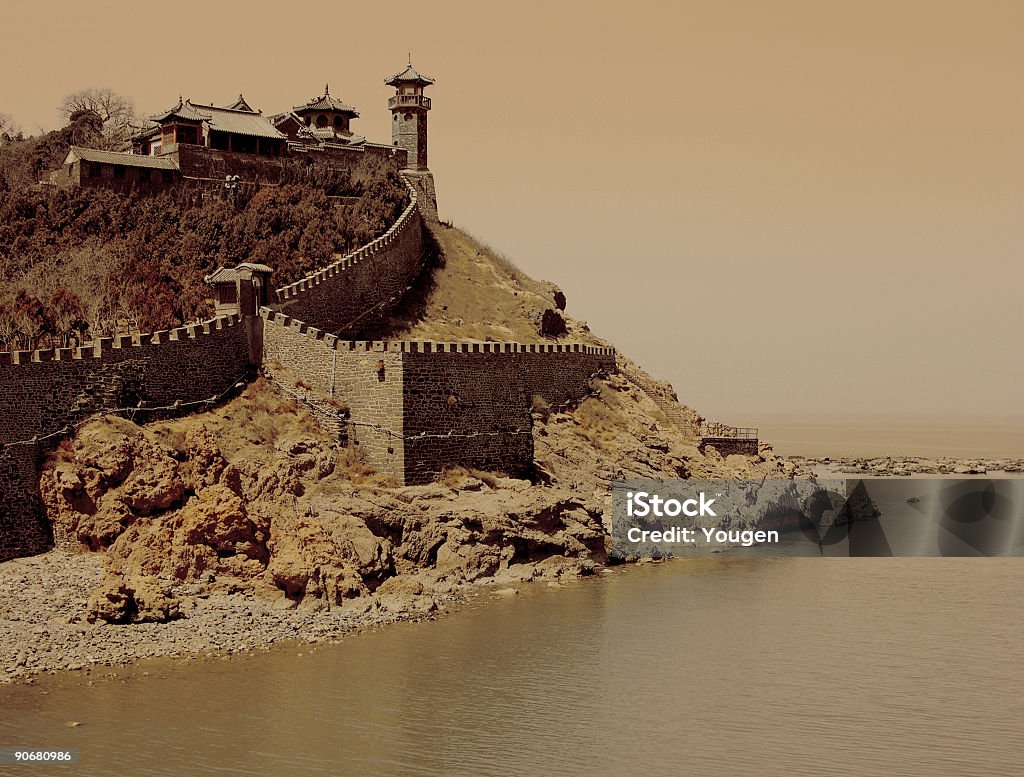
pixel 79 264
pixel 247 524
pixel 474 293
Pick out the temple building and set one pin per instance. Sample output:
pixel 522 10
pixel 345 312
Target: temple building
pixel 323 120
pixel 217 150
pixel 235 128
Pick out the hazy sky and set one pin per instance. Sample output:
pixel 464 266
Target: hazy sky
pixel 779 206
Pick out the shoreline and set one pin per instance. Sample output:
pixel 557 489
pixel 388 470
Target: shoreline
pixel 908 466
pixel 49 636
pixel 43 599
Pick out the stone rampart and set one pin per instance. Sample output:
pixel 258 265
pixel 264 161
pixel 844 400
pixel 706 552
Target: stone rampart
pixel 200 163
pixel 364 376
pixel 418 407
pixel 370 280
pixel 414 407
pixel 47 392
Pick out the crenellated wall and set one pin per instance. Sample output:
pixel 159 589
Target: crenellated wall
pixel 414 408
pixel 369 280
pixel 199 163
pixel 417 408
pixel 364 376
pixel 45 392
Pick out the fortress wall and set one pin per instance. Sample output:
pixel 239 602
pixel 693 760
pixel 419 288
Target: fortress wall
pixel 200 162
pixel 481 394
pixel 45 391
pixel 423 182
pixel 369 280
pixel 24 530
pixel 203 162
pixel 364 376
pixel 727 446
pixel 419 407
pixel 465 394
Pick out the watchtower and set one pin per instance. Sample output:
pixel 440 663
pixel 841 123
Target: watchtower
pixel 409 114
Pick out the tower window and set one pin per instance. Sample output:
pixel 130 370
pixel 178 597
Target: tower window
pixel 396 117
pixel 337 122
pixel 321 120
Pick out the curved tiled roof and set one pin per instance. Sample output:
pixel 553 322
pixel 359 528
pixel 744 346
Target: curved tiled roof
pixel 241 123
pixel 237 121
pixel 231 274
pixel 327 103
pixel 409 76
pixel 327 134
pixel 183 110
pixel 119 158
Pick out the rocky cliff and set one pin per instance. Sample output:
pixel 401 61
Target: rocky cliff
pixel 250 514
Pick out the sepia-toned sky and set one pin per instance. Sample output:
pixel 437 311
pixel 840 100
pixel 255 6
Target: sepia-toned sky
pixel 795 206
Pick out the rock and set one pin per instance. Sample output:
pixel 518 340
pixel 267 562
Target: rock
pixel 218 518
pixel 307 564
pixel 143 600
pixel 552 324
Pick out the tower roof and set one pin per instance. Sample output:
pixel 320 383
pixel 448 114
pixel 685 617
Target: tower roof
pixel 327 103
pixel 409 76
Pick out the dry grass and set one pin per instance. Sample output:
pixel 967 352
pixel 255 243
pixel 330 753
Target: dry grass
pixel 600 417
pixel 456 477
pixel 479 295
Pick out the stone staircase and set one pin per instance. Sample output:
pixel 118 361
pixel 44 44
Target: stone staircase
pixel 682 418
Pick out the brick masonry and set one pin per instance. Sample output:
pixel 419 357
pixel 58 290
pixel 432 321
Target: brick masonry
pixel 370 279
pixel 363 376
pixel 45 391
pixel 727 446
pixel 415 408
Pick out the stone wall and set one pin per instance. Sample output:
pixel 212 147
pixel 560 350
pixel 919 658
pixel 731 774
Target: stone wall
pixel 202 163
pixel 417 408
pixel 44 392
pixel 369 280
pixel 469 404
pixel 423 182
pixel 727 446
pixel 363 376
pixel 118 178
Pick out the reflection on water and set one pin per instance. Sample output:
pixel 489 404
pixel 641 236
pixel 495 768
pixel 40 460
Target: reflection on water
pixel 719 666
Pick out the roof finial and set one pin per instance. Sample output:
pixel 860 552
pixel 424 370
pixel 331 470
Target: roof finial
pixel 327 90
pixel 410 59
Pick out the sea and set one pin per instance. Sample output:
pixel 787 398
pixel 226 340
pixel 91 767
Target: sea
pixel 729 666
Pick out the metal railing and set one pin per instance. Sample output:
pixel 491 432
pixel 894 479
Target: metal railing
pixel 715 429
pixel 409 100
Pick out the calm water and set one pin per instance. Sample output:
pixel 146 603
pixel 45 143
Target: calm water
pixel 995 438
pixel 714 667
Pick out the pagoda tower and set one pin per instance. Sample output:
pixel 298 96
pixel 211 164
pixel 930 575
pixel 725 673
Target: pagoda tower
pixel 409 109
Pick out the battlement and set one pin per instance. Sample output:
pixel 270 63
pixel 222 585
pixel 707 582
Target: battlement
pixel 428 346
pixel 420 406
pixel 103 345
pixel 373 248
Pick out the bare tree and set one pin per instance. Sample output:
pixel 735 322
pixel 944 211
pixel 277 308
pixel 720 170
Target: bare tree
pixel 8 128
pixel 113 114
